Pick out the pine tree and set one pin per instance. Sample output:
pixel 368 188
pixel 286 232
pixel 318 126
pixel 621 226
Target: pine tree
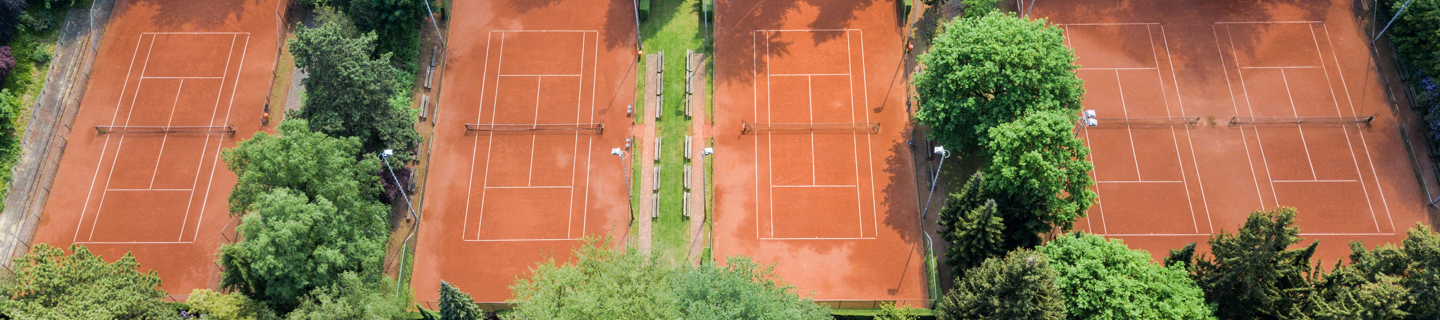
pixel 979 236
pixel 457 305
pixel 1253 273
pixel 1022 285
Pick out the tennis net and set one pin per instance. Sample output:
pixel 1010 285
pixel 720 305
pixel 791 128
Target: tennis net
pixel 164 129
pixel 591 128
pixel 1163 121
pixel 804 128
pixel 1300 120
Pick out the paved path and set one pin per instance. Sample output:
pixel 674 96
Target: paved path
pixel 700 132
pixel 645 140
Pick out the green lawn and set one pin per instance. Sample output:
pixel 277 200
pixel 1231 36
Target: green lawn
pixel 673 27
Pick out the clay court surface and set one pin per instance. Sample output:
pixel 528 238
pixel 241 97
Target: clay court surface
pixel 163 196
pixel 501 201
pixel 835 208
pixel 1162 186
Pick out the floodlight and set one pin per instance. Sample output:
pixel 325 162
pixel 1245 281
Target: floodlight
pixel 617 152
pixel 1091 122
pixel 388 152
pixel 939 150
pixel 1089 113
pixel 707 151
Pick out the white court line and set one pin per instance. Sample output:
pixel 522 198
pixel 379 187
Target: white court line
pixel 201 162
pixel 104 147
pixel 1285 67
pixel 133 190
pixel 1108 24
pixel 1128 130
pixel 755 111
pixel 1264 22
pixel 870 139
pixel 806 74
pixel 520 240
pixel 1303 142
pixel 808 30
pixel 475 141
pixel 120 145
pixel 590 145
pixel 1204 200
pixel 155 170
pixel 135 242
pixel 1344 87
pixel 543 75
pixel 810 97
pixel 230 33
pixel 1269 174
pixel 1148 181
pixel 787 239
pixel 229 107
pixel 1135 68
pixel 855 141
pixel 769 140
pixel 1155 234
pixel 183 78
pixel 1377 227
pixel 813 186
pixel 536 120
pixel 1179 161
pixel 1348 234
pixel 1236 105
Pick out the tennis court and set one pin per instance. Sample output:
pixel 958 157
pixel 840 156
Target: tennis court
pixel 521 167
pixel 809 120
pixel 142 167
pixel 1265 106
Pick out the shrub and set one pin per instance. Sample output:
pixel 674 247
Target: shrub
pixel 10 11
pixel 1416 34
pixel 7 62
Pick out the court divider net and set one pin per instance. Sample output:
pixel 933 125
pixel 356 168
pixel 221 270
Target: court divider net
pixel 806 128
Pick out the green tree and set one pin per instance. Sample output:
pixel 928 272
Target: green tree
pixel 310 213
pixel 351 94
pixel 47 284
pixel 603 283
pixel 1416 33
pixel 1346 293
pixel 979 8
pixel 219 306
pixel 979 236
pixel 354 297
pixel 1253 273
pixel 457 305
pixel 1106 280
pixel 1415 267
pixel 741 289
pixel 1022 285
pixel 984 71
pixel 888 311
pixel 1038 175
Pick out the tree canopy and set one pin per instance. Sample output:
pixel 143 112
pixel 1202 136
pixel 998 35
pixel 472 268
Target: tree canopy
pixel 311 214
pixel 457 305
pixel 1038 175
pixel 351 94
pixel 354 297
pixel 1388 282
pixel 984 71
pixel 1022 285
pixel 1106 280
pixel 220 306
pixel 603 283
pixel 47 284
pixel 1253 273
pixel 973 229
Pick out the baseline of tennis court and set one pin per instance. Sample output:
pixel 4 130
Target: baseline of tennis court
pixel 1324 170
pixel 531 185
pixel 1142 182
pixel 802 173
pixel 150 187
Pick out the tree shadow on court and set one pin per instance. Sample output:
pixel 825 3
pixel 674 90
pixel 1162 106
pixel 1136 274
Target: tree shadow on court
pixel 1192 17
pixel 736 22
pixel 619 25
pixel 208 15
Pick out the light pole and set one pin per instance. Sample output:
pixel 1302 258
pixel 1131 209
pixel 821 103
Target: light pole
pixel 940 150
pixel 1087 119
pixel 618 152
pixel 385 157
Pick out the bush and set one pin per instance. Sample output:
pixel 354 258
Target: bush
pixel 976 8
pixel 10 11
pixel 7 62
pixel 213 305
pixel 1416 34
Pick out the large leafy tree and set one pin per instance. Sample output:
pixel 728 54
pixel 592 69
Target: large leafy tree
pixel 984 71
pixel 1022 285
pixel 220 306
pixel 48 284
pixel 1416 33
pixel 457 305
pixel 1106 280
pixel 603 283
pixel 1038 175
pixel 1389 281
pixel 349 93
pixel 354 297
pixel 310 214
pixel 1253 273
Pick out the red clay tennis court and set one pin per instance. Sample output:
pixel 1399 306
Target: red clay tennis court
pixel 142 171
pixel 809 120
pixel 522 168
pixel 1207 115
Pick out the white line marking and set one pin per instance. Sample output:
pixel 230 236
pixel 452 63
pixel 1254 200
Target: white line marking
pixel 521 240
pixel 541 75
pixel 228 107
pixel 231 33
pixel 155 170
pixel 854 141
pixel 1368 157
pixel 1317 181
pixel 1236 105
pixel 869 139
pixel 490 141
pixel 808 30
pixel 518 31
pixel 103 147
pixel 807 74
pixel 1156 234
pixel 1284 67
pixel 1107 24
pixel 530 173
pixel 810 97
pixel 133 190
pixel 787 239
pixel 135 242
pixel 755 112
pixel 1128 131
pixel 475 141
pixel 1259 141
pixel 1303 143
pixel 1179 161
pixel 1137 68
pixel 814 186
pixel 1204 201
pixel 200 163
pixel 119 146
pixel 1151 181
pixel 530 187
pixel 1264 22
pixel 1350 146
pixel 183 78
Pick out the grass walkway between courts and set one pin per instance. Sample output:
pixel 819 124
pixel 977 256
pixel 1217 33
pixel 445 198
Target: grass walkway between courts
pixel 673 27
